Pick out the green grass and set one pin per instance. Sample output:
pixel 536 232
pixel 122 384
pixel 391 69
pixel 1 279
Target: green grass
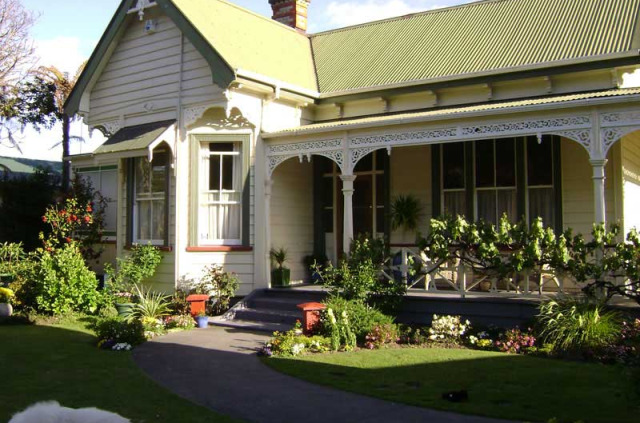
pixel 60 362
pixel 499 385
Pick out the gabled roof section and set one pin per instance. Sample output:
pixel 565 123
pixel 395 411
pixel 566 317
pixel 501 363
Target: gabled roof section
pixel 252 42
pixel 142 138
pixel 472 39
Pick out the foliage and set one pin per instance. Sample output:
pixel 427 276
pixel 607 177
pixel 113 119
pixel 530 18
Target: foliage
pixel 413 335
pixel 362 317
pixel 359 277
pixel 24 202
pixel 181 321
pixel 293 343
pixel 63 282
pixel 117 330
pixel 448 329
pixel 178 304
pixel 339 331
pixel 381 335
pixel 140 264
pixel 626 349
pixel 149 305
pixel 406 212
pixel 6 295
pixel 516 341
pixel 279 256
pixel 577 325
pixel 222 285
pixel 20 269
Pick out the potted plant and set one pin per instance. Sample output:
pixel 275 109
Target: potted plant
pixel 406 212
pixel 202 319
pixel 6 295
pixel 280 276
pixel 123 303
pixel 313 263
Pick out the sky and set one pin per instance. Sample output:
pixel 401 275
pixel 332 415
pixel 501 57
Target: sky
pixel 66 32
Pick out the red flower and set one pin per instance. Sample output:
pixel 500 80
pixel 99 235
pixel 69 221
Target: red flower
pixel 89 209
pixel 68 239
pixel 87 219
pixel 44 219
pixel 74 217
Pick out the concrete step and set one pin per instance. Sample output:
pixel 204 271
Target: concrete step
pixel 275 303
pixel 267 316
pixel 269 327
pixel 304 295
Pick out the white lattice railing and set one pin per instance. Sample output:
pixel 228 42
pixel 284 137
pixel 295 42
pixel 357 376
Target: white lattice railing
pixel 418 272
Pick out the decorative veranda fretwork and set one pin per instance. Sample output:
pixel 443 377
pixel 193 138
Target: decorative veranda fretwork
pixel 109 128
pixel 359 153
pixel 405 137
pixel 617 125
pixel 331 148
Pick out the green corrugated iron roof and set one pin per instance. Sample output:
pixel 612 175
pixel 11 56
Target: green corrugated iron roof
pixel 28 166
pixel 252 42
pixel 453 112
pixel 133 138
pixel 473 38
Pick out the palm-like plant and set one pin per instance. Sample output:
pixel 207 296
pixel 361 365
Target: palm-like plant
pixel 60 85
pixel 151 305
pixel 405 212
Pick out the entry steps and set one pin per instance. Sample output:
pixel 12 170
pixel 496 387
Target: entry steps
pixel 268 310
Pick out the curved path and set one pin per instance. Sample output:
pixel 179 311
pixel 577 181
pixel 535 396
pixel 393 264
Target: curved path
pixel 218 368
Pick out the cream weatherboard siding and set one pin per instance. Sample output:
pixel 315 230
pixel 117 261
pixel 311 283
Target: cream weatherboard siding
pixel 142 80
pixel 411 175
pixel 630 146
pixel 577 189
pixel 292 213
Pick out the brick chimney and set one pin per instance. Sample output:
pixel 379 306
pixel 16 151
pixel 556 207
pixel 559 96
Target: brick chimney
pixel 292 13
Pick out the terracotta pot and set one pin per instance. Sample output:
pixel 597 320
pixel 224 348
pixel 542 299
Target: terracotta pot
pixel 6 310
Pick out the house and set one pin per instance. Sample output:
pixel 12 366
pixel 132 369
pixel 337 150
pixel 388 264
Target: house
pixel 231 133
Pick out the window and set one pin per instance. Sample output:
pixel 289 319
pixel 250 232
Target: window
pixel 495 180
pixel 150 182
pixel 220 193
pixel 516 176
pixel 453 179
pixel 104 179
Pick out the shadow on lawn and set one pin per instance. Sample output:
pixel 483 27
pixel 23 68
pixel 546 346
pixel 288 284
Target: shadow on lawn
pixel 232 380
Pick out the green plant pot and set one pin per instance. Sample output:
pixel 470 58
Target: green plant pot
pixel 124 309
pixel 281 277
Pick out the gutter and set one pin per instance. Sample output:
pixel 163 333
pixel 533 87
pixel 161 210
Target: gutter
pixel 423 119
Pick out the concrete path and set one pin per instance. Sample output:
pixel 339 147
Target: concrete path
pixel 218 368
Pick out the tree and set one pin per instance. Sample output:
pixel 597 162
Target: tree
pixel 43 104
pixel 16 58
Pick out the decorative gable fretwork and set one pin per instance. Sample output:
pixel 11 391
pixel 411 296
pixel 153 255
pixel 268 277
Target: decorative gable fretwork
pixel 596 132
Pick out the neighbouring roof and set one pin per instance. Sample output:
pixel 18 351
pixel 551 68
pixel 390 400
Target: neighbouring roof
pixel 453 112
pixel 134 138
pixel 28 166
pixel 473 38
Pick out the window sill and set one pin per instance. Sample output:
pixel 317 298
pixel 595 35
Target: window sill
pixel 159 247
pixel 220 249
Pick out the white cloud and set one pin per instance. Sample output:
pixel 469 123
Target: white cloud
pixel 341 14
pixel 64 53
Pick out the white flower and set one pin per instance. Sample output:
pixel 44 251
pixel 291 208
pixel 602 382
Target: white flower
pixel 297 349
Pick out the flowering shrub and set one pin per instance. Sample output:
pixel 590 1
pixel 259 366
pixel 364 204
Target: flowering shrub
pixel 222 285
pixel 152 327
pixel 481 340
pixel 448 328
pixel 66 222
pixel 182 321
pixel 516 341
pixel 115 330
pixel 6 295
pixel 293 343
pixel 362 317
pixel 626 350
pixel 381 335
pixel 339 330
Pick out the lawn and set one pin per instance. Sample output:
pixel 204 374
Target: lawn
pixel 498 385
pixel 60 362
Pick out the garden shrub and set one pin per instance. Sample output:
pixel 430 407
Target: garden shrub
pixel 362 317
pixel 413 335
pixel 574 325
pixel 63 283
pixel 141 263
pixel 20 268
pixel 181 321
pixel 338 330
pixel 448 329
pixel 116 330
pixel 222 285
pixel 516 341
pixel 381 336
pixel 293 343
pixel 150 305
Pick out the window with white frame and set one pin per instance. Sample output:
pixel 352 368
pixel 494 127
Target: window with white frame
pixel 540 183
pixel 150 199
pixel 453 179
pixel 220 186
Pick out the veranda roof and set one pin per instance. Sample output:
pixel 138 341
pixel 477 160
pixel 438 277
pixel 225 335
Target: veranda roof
pixel 139 140
pixel 448 113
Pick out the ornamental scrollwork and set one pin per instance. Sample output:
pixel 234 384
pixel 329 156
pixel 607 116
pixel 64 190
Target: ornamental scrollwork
pixel 620 117
pixel 109 128
pixel 305 147
pixel 528 126
pixel 359 153
pixel 583 136
pixel 405 137
pixel 274 161
pixel 192 114
pixel 609 136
